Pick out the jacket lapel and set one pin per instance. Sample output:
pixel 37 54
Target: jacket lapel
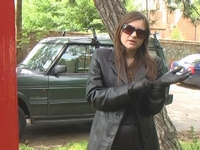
pixel 114 68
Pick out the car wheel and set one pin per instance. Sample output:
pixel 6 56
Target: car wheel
pixel 21 122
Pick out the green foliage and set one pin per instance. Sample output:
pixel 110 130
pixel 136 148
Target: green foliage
pixel 76 146
pixel 132 5
pixel 84 15
pixel 194 144
pixel 25 147
pixel 190 9
pixel 81 145
pixel 195 13
pixel 59 15
pixel 189 146
pixel 176 34
pixel 40 17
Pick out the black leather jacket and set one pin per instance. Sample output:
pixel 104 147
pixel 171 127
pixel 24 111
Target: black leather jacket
pixel 108 98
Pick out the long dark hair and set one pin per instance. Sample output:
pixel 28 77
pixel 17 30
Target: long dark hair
pixel 142 55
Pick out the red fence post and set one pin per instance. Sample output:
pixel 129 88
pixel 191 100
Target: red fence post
pixel 8 96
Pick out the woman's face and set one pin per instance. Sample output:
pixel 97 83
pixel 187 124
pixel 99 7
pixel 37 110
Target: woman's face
pixel 131 41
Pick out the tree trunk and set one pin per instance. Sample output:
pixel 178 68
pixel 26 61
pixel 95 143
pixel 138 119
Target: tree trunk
pixel 18 23
pixel 166 132
pixel 111 11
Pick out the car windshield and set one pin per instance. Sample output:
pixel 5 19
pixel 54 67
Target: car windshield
pixel 41 57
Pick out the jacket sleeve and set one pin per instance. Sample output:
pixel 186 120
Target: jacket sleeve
pixel 155 104
pixel 98 95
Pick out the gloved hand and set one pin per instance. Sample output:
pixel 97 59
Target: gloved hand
pixel 157 92
pixel 139 87
pixel 171 78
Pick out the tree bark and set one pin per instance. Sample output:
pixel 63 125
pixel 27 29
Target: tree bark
pixel 167 132
pixel 111 11
pixel 18 24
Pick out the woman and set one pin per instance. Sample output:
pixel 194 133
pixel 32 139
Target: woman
pixel 123 89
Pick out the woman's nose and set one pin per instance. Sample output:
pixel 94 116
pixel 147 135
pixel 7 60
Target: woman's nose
pixel 134 34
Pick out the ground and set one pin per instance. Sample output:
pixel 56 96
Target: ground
pixel 183 112
pixel 187 136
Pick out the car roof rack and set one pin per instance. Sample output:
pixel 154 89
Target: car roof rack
pixel 156 42
pixel 94 38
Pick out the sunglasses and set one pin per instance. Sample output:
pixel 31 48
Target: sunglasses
pixel 128 29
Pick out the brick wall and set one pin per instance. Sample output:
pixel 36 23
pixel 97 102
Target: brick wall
pixel 164 23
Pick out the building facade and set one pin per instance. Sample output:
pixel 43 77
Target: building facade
pixel 170 25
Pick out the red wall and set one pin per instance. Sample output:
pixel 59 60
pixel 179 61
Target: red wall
pixel 8 99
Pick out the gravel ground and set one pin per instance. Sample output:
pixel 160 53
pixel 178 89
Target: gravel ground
pixel 185 109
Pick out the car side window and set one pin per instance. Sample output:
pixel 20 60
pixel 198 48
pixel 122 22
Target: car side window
pixel 77 58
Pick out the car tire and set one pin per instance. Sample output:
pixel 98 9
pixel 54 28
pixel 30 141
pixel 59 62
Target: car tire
pixel 21 122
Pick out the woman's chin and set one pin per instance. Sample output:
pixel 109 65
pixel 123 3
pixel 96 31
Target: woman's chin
pixel 131 47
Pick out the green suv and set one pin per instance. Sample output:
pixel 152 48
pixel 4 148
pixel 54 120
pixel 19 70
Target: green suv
pixel 52 78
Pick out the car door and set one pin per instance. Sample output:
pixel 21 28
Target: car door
pixel 33 89
pixel 66 97
pixel 196 75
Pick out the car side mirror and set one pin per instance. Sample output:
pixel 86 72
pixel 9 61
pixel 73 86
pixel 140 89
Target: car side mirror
pixel 59 69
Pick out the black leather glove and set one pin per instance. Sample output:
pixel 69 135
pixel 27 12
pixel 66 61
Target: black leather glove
pixel 157 92
pixel 139 87
pixel 171 78
pixel 158 87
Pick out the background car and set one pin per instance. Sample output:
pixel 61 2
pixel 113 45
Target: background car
pixel 192 63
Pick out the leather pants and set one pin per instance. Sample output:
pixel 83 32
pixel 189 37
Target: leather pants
pixel 128 138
